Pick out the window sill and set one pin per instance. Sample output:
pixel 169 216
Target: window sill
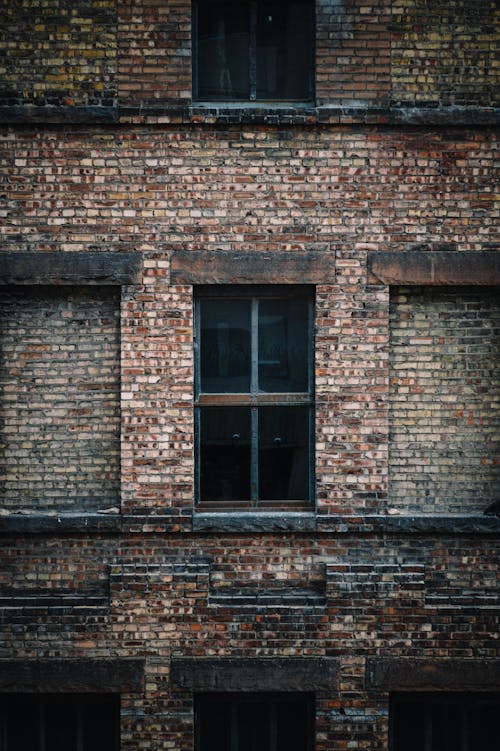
pixel 258 521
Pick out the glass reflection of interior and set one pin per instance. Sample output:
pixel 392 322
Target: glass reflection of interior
pixel 225 346
pixel 225 453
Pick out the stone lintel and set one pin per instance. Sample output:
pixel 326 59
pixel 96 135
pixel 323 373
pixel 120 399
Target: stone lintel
pixel 67 268
pixel 260 267
pixel 72 675
pixel 427 675
pixel 434 267
pixel 254 674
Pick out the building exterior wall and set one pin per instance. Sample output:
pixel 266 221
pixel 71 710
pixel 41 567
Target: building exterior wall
pixel 120 195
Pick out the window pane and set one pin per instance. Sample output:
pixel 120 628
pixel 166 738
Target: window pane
pixel 215 726
pixel 284 50
pixel 20 717
pixel 292 719
pixel 61 724
pixel 483 724
pixel 253 726
pixel 409 727
pixel 284 453
pixel 223 50
pixel 225 453
pixel 283 345
pixel 225 346
pixel 101 723
pixel 446 727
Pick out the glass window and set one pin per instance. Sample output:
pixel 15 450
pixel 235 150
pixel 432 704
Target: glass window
pixel 444 722
pixel 253 50
pixel 254 722
pixel 254 397
pixel 59 722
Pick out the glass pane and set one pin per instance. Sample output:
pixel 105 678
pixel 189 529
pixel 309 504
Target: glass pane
pixel 215 726
pixel 101 715
pixel 223 50
pixel 483 725
pixel 21 718
pixel 409 727
pixel 292 719
pixel 253 727
pixel 61 724
pixel 284 453
pixel 284 50
pixel 225 346
pixel 446 727
pixel 225 453
pixel 283 345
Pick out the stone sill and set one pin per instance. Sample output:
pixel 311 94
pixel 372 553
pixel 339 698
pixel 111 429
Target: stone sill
pixel 230 113
pixel 243 522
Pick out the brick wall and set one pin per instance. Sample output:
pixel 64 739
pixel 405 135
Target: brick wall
pixel 444 52
pixel 99 53
pixel 445 399
pixel 58 53
pixel 59 385
pixel 382 596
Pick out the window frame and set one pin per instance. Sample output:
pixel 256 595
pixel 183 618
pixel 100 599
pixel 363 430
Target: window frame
pixel 271 699
pixel 252 63
pixel 254 399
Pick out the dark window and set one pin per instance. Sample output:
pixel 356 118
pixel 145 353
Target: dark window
pixel 253 50
pixel 445 722
pixel 254 722
pixel 254 397
pixel 59 722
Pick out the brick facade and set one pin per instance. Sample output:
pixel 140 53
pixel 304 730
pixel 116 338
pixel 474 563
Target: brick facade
pixel 120 195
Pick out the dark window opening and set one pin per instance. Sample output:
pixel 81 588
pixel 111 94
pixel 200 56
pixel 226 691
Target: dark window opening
pixel 254 398
pixel 59 722
pixel 254 722
pixel 253 50
pixel 444 722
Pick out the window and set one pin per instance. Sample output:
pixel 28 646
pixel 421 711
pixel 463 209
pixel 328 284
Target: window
pixel 254 398
pixel 253 50
pixel 59 722
pixel 445 722
pixel 254 722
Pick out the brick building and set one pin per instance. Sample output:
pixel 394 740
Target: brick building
pixel 249 375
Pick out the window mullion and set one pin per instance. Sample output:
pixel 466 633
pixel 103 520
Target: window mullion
pixel 253 51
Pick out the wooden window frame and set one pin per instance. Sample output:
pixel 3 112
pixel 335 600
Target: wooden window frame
pixel 255 399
